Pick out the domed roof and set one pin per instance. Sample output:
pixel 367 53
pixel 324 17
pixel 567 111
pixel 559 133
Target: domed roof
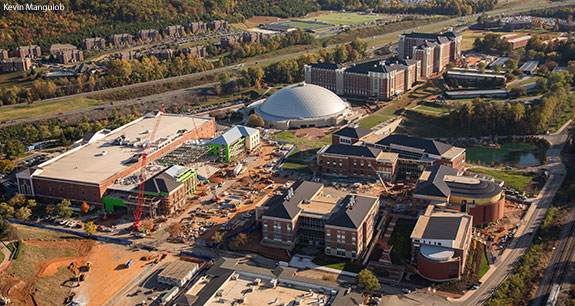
pixel 302 101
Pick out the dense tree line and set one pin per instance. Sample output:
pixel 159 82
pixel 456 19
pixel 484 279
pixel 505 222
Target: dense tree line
pixel 82 19
pixel 496 118
pixel 492 44
pixel 240 51
pixel 292 70
pixel 14 137
pixel 439 7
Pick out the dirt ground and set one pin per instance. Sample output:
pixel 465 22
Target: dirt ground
pixel 108 275
pixel 28 291
pixel 257 20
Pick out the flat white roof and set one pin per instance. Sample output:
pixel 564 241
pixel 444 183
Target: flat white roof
pixel 100 158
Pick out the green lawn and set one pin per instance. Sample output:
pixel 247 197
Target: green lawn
pixel 373 120
pixel 338 265
pixel 514 179
pixel 401 252
pixel 304 25
pixel 525 82
pixel 289 138
pixel 1 257
pixel 28 232
pixel 294 166
pixel 347 18
pixel 48 108
pixel 484 267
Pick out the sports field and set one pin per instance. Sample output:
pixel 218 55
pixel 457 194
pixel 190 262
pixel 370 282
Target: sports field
pixel 27 111
pixel 347 18
pixel 305 25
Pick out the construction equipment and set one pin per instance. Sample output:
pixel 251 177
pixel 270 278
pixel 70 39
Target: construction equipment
pixel 143 155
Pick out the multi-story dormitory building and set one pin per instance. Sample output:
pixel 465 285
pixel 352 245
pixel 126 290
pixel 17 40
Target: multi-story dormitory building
pixel 420 56
pixel 305 215
pixel 375 79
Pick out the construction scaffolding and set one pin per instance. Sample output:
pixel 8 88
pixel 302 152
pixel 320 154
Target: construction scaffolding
pixel 185 155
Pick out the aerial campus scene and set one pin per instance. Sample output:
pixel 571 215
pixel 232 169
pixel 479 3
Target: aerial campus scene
pixel 287 152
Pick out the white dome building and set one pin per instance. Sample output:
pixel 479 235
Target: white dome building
pixel 303 105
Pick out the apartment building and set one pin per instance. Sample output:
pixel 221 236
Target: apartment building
pixel 120 39
pixel 57 48
pixel 93 43
pixel 65 57
pixel 31 51
pixel 12 64
pixel 146 35
pixel 435 51
pixel 375 79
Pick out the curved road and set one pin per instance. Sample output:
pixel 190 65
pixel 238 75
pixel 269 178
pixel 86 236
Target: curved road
pixel 268 60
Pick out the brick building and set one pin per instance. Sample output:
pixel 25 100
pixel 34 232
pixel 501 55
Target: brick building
pixel 174 31
pixel 375 79
pixel 517 42
pixel 164 54
pixel 304 215
pixel 120 39
pixel 415 154
pixel 349 135
pixel 105 159
pixel 65 57
pixel 197 27
pixel 31 51
pixel 218 25
pixel 483 199
pixel 93 43
pixel 197 51
pixel 12 64
pixel 440 243
pixel 517 24
pixel 434 51
pixel 3 54
pixel 357 161
pixel 146 35
pixel 57 48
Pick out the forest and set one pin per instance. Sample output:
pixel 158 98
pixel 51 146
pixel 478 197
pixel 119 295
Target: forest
pixel 102 18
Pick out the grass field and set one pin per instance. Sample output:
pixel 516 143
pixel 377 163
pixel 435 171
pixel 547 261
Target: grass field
pixel 400 241
pixel 514 179
pixel 338 266
pixel 288 137
pixel 1 257
pixel 27 111
pixel 484 266
pixel 294 166
pixel 304 25
pixel 373 120
pixel 347 18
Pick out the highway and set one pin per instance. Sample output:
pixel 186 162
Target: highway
pixel 535 214
pixel 249 63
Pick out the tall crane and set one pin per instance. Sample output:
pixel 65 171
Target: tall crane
pixel 144 155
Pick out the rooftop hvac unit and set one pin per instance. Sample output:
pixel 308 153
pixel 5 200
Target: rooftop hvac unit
pixel 274 282
pixel 257 281
pixel 103 153
pixel 234 276
pixel 220 292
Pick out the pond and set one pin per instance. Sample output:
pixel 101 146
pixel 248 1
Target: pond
pixel 515 154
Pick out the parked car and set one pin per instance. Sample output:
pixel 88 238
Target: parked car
pixel 406 290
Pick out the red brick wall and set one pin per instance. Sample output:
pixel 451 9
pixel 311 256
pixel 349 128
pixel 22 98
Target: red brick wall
pixel 78 192
pixel 356 84
pixel 324 78
pixel 438 270
pixel 483 214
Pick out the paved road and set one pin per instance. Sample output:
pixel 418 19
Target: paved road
pixel 505 263
pixel 248 63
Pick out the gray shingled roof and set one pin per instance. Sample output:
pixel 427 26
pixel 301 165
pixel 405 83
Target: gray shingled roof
pixel 348 150
pixel 161 183
pixel 352 217
pixel 443 228
pixel 435 185
pixel 280 207
pixel 427 145
pixel 353 132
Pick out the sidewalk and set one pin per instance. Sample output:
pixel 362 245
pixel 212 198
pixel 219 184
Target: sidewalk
pixel 304 262
pixel 6 260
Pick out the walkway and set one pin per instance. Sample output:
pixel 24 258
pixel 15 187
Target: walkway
pixel 6 260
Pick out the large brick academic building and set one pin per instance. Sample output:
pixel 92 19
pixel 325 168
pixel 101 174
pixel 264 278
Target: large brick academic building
pixel 104 159
pixel 420 56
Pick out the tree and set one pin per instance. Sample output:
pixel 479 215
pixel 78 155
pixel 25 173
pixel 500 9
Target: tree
pixel 5 229
pixel 84 208
pixel 90 228
pixel 255 120
pixel 50 209
pixel 175 229
pixel 23 213
pixel 481 67
pixel 518 91
pixel 6 166
pixel 218 237
pixel 368 280
pixel 64 210
pixel 13 149
pixel 7 211
pixel 240 240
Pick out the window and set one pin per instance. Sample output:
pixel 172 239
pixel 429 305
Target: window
pixel 265 226
pixel 277 237
pixel 265 235
pixel 353 254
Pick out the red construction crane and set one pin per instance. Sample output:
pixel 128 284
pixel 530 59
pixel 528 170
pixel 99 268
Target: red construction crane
pixel 144 154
